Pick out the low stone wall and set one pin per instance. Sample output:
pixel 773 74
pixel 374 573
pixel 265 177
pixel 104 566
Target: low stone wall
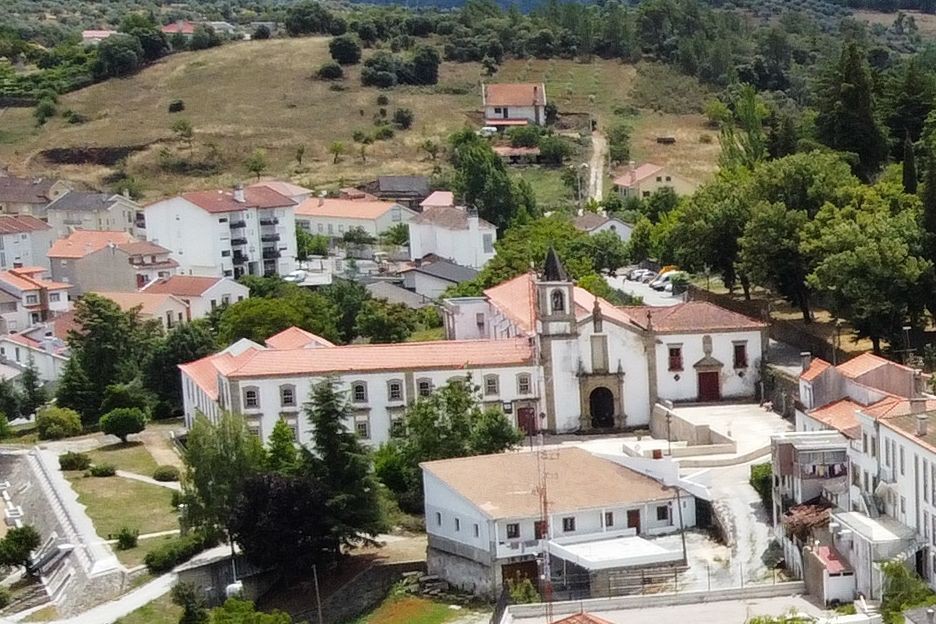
pixel 210 578
pixel 597 605
pixel 695 435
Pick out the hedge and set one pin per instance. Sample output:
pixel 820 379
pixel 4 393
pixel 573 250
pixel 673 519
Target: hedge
pixel 179 550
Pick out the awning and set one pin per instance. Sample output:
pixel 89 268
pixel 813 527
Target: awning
pixel 598 552
pixel 506 122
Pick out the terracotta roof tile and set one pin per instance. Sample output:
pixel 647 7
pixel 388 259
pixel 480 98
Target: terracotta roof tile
pixel 865 363
pixel 439 198
pixel 182 285
pixel 448 217
pixel 515 94
pixel 143 248
pixel 816 367
pixel 630 178
pixel 150 304
pixel 220 201
pixel 839 415
pixel 588 221
pixel 81 243
pixel 692 316
pixel 287 189
pixel 343 208
pixel 504 485
pixel 296 338
pixel 29 281
pixel 15 224
pixel 515 298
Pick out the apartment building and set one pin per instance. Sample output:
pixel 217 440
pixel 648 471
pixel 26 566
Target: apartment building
pixel 28 297
pixel 88 210
pixel 24 241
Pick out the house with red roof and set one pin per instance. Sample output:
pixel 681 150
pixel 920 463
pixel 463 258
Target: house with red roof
pixel 28 297
pixel 513 104
pixel 335 216
pixel 644 180
pixel 201 294
pixel 104 260
pixel 227 232
pixel 180 27
pixel 24 241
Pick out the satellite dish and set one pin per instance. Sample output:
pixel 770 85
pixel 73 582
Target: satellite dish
pixel 234 589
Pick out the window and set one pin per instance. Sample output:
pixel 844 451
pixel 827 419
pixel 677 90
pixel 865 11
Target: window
pixel 321 227
pixel 659 178
pixel 558 301
pixel 32 299
pixel 425 387
pixel 479 320
pixel 864 443
pixel 225 299
pixel 487 242
pixel 609 518
pixel 331 228
pixel 497 110
pixel 901 461
pixel 223 220
pixel 675 357
pixel 568 524
pixel 438 519
pixel 539 529
pixel 397 427
pixel 903 504
pixel 359 392
pixel 740 355
pixel 646 193
pixel 251 398
pixel 663 513
pixel 490 385
pixel 288 396
pixel 341 228
pixel 55 297
pixel 523 384
pixel 457 525
pixel 477 530
pixel 669 179
pixel 395 390
pixel 362 427
pixel 513 530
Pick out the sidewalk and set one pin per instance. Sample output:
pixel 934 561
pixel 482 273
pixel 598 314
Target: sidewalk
pixel 109 612
pixel 172 485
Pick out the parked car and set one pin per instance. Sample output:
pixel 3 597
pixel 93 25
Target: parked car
pixel 296 277
pixel 637 274
pixel 487 131
pixel 660 282
pixel 646 278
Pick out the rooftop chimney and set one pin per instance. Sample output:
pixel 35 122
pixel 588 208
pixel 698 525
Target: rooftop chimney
pixel 921 422
pixel 917 405
pixel 239 194
pixel 805 360
pixel 918 384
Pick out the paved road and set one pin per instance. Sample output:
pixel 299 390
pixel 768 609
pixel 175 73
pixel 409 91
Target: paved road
pixel 650 297
pixel 596 166
pixel 110 612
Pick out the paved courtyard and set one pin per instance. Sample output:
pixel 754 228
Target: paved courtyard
pixel 749 424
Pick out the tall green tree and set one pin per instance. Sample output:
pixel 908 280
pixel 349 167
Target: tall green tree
pixel 186 343
pixel 348 297
pixel 909 171
pixel 908 98
pixel 743 140
pixel 341 465
pixel 32 390
pixel 383 322
pixel 282 456
pixel 846 119
pixel 259 318
pixel 928 198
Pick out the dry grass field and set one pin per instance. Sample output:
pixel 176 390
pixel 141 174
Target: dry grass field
pixel 250 95
pixel 926 22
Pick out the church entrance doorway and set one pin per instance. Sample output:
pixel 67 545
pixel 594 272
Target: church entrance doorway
pixel 601 408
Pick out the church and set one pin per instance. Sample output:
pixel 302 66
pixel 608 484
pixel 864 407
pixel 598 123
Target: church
pixel 553 356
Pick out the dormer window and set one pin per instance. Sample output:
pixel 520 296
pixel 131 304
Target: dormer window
pixel 558 301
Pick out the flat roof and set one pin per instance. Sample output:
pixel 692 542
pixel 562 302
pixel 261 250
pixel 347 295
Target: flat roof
pixel 620 551
pixel 883 529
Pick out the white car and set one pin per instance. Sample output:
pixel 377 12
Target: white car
pixel 296 277
pixel 662 280
pixel 487 131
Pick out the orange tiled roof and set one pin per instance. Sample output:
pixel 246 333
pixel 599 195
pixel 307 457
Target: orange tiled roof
pixel 892 406
pixel 343 208
pixel 515 94
pixel 692 316
pixel 515 298
pixel 150 304
pixel 182 285
pixel 80 243
pixel 10 224
pixel 630 178
pixel 816 367
pixel 26 281
pixel 865 363
pixel 296 338
pixel 839 415
pixel 223 201
pixel 287 189
pixel 439 198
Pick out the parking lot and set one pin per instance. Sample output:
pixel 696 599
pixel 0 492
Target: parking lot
pixel 650 297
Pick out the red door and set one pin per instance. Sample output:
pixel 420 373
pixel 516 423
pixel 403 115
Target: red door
pixel 526 420
pixel 708 387
pixel 633 519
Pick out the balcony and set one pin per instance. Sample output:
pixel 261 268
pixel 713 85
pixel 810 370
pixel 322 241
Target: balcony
pixel 239 258
pixel 269 221
pixel 270 254
pixel 236 225
pixel 237 242
pixel 518 547
pixel 270 238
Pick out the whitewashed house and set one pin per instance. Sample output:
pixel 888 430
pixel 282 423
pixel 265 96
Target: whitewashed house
pixel 85 210
pixel 38 347
pixel 643 181
pixel 28 298
pixel 335 216
pixel 223 233
pixel 24 241
pixel 431 278
pixel 514 104
pixel 452 232
pixel 593 223
pixel 202 294
pixel 485 522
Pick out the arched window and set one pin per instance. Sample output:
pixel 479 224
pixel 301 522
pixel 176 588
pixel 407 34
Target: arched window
pixel 359 392
pixel 558 301
pixel 288 395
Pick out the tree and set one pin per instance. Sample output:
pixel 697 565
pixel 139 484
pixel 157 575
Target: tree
pixel 44 111
pixel 403 118
pixel 186 343
pixel 330 71
pixel 237 611
pixel 909 172
pixel 32 392
pixel 310 244
pixel 345 50
pixel 282 456
pixel 184 131
pixel 491 433
pixel 76 390
pixel 219 459
pixel 336 149
pixel 743 141
pixel 259 318
pixel 347 297
pixel 481 180
pixel 554 150
pixel 152 41
pixel 928 198
pixel 123 421
pixel 397 234
pixel 308 17
pixel 204 37
pixel 261 32
pixel 607 251
pixel 426 61
pixel 118 55
pixel 341 466
pixel 382 321
pixel 279 523
pixel 431 148
pixel 193 607
pixel 17 546
pixel 846 117
pixel 257 163
pixel 903 590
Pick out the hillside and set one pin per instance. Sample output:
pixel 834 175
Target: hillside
pixel 250 95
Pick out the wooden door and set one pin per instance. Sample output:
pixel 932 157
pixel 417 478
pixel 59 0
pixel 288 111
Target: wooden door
pixel 708 387
pixel 633 519
pixel 526 420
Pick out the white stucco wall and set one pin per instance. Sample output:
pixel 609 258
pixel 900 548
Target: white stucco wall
pixel 464 247
pixel 49 365
pixel 734 383
pixel 442 500
pixel 195 238
pixel 25 249
pixel 516 112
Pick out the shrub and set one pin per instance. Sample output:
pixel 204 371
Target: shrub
pixel 345 49
pixel 172 553
pixel 177 499
pixel 127 538
pixel 55 423
pixel 403 118
pixel 382 100
pixel 524 136
pixel 72 117
pixel 123 421
pixel 762 481
pixel 330 71
pixel 383 133
pixel 554 150
pixel 166 473
pixel 103 470
pixel 44 110
pixel 74 461
pixel 5 597
pixel 262 32
pixel 176 106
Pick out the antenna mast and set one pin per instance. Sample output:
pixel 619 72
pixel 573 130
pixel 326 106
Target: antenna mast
pixel 542 456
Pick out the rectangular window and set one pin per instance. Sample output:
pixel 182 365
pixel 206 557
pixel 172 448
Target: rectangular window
pixel 740 355
pixel 321 227
pixel 901 461
pixel 523 384
pixel 55 297
pixel 539 529
pixel 425 387
pixel 362 427
pixel 874 447
pixel 903 504
pixel 32 299
pixel 513 530
pixel 251 399
pixel 222 220
pixel 395 391
pixel 438 519
pixel 925 481
pixel 359 393
pixel 487 242
pixel 864 443
pixel 933 532
pixel 568 524
pixel 675 358
pixel 288 397
pixel 479 319
pixel 497 110
pixel 663 512
pixel 457 525
pixel 669 179
pixel 609 518
pixel 490 385
pixel 926 526
pixel 477 530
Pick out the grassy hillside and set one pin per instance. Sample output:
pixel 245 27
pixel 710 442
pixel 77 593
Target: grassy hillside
pixel 250 95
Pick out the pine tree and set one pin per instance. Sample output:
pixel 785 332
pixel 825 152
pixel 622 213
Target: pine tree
pixel 929 206
pixel 75 391
pixel 34 394
pixel 846 119
pixel 281 449
pixel 909 167
pixel 341 465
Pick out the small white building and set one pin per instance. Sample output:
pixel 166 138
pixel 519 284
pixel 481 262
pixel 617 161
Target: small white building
pixel 223 233
pixel 431 278
pixel 94 37
pixel 644 180
pixel 293 191
pixel 38 347
pixel 485 522
pixel 593 223
pixel 202 294
pixel 28 298
pixel 335 216
pixel 84 210
pixel 514 104
pixel 169 310
pixel 452 232
pixel 24 241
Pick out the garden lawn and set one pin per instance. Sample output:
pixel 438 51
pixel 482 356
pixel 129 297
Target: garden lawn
pixel 134 556
pixel 132 457
pixel 114 502
pixel 410 610
pixel 160 611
